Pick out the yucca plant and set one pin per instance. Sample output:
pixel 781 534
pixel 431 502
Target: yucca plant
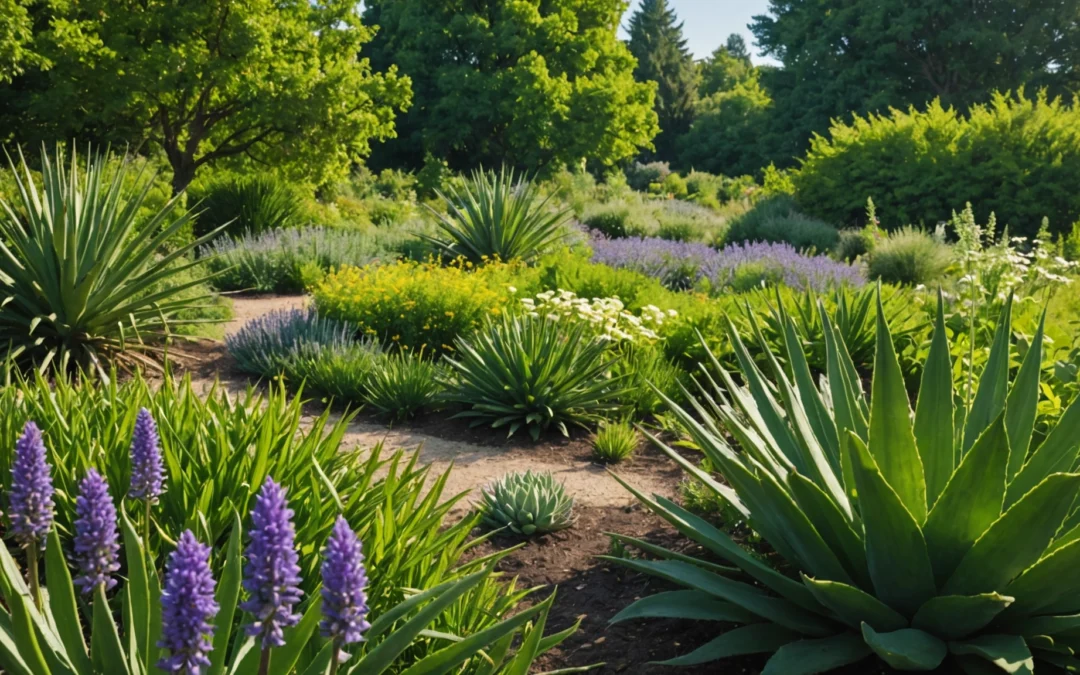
pixel 76 264
pixel 498 216
pixel 527 503
pixel 533 372
pixel 943 539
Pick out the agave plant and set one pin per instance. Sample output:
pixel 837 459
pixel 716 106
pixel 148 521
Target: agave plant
pixel 527 503
pixel 533 372
pixel 498 216
pixel 77 266
pixel 940 539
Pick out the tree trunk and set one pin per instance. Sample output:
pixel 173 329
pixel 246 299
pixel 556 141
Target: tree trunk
pixel 183 172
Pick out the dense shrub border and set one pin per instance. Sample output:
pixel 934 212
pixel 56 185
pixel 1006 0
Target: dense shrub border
pixel 1016 156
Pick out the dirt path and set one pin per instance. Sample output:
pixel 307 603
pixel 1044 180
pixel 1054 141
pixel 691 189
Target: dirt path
pixel 475 465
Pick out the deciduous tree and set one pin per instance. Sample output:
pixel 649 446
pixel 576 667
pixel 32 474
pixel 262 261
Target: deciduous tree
pixel 280 83
pixel 530 83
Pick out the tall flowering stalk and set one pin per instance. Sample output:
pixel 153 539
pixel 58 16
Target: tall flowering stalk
pixel 187 607
pixel 344 600
pixel 272 573
pixel 31 500
pixel 147 471
pixel 96 541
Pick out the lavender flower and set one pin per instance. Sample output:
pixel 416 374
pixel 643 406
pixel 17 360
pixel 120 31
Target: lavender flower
pixel 31 497
pixel 272 575
pixel 187 606
pixel 96 545
pixel 147 473
pixel 344 601
pixel 681 265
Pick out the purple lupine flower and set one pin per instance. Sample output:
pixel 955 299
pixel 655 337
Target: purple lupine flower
pixel 96 543
pixel 147 473
pixel 187 606
pixel 344 601
pixel 30 502
pixel 272 575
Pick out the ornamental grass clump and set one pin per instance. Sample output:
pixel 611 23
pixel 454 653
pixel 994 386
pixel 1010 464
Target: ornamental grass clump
pixel 941 540
pixel 81 271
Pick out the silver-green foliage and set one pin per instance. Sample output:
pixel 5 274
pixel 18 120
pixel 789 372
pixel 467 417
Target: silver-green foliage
pixel 533 372
pixel 527 503
pixel 498 216
pixel 77 260
pixel 946 538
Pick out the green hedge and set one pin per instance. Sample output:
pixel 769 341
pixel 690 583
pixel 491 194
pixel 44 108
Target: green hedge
pixel 1016 156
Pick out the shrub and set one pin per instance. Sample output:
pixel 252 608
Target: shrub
pixel 615 220
pixel 402 385
pixel 614 442
pixel 415 305
pixel 677 265
pixel 1014 156
pixel 775 219
pixel 1070 246
pixel 247 205
pixel 527 504
pixel 640 176
pixel 75 269
pixel 853 244
pixel 910 257
pixel 674 185
pixel 532 372
pixel 286 261
pixel 574 272
pixel 497 216
pixel 605 318
pixel 862 514
pixel 264 345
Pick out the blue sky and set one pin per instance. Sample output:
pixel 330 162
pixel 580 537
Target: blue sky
pixel 707 23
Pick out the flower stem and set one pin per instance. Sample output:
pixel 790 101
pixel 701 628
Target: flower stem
pixel 150 569
pixel 32 572
pixel 264 661
pixel 335 658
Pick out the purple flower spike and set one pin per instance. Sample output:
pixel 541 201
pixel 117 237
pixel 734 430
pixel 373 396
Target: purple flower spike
pixel 187 606
pixel 96 544
pixel 344 601
pixel 31 497
pixel 272 575
pixel 147 474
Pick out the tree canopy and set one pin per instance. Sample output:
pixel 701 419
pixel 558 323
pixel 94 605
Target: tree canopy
pixel 521 82
pixel 278 83
pixel 844 56
pixel 657 42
